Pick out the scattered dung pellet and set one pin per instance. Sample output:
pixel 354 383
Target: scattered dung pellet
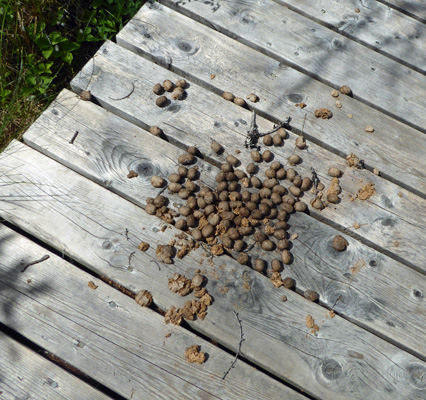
pixel 251 168
pixel 178 93
pixel 297 181
pixel 184 193
pixel 253 98
pixel 286 257
pixel 174 178
pixel 192 174
pixel 345 89
pixel 132 174
pixel 295 191
pixel 157 181
pixel 317 204
pixel 193 150
pixel 150 209
pixel 255 156
pixel 300 142
pixel 181 83
pixel 158 89
pixel 281 174
pixel 232 160
pixel 186 159
pixel 255 182
pixel 239 245
pixel 293 160
pixel 333 198
pixel 168 85
pixel 340 243
pixel 259 265
pixel 283 299
pixel 289 283
pixel 277 140
pixel 283 244
pixel 306 184
pixel 334 93
pixel 311 295
pixel 208 231
pixel 160 201
pixel 225 167
pixel 323 113
pixel 320 186
pixel 174 187
pixel 280 233
pixel 300 206
pixel 282 132
pixel 161 101
pixel 369 129
pixel 155 130
pixel 144 298
pixel 267 140
pixel 338 104
pixel 228 96
pixel 267 156
pixel 243 258
pixel 196 234
pixel 182 171
pixel 334 172
pixel 239 101
pixel 291 173
pixel 216 147
pixel 276 165
pixel 268 245
pixel 181 224
pixel 276 265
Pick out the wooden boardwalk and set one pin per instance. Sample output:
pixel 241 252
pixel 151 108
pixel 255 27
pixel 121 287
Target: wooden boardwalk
pixel 73 219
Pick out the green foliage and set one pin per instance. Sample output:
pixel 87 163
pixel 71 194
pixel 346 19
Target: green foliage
pixel 43 43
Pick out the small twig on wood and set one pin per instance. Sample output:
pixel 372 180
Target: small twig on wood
pixel 130 257
pixel 303 125
pixel 44 258
pixel 253 133
pixel 239 344
pixel 336 301
pixel 125 97
pixel 156 262
pixel 315 179
pixel 126 233
pixel 73 138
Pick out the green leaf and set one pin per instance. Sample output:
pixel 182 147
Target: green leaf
pixel 42 43
pixel 56 37
pixel 69 46
pixel 47 53
pixel 67 58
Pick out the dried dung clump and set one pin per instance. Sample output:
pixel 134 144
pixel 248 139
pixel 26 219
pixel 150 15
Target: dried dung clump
pixel 340 243
pixel 194 355
pixel 310 324
pixel 165 254
pixel 323 113
pixel 179 284
pixel 366 191
pixel 144 298
pixel 143 246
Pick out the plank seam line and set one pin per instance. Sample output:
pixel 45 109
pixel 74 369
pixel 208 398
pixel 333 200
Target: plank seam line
pixel 402 11
pixel 58 361
pixel 281 59
pixel 347 35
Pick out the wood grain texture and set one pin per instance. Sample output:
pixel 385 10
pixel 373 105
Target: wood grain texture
pixel 370 23
pixel 342 360
pixel 24 375
pixel 413 8
pixel 107 335
pixel 317 266
pixel 200 122
pixel 318 52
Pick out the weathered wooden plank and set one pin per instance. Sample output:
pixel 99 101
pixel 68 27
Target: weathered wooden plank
pixel 345 276
pixel 112 339
pixel 97 128
pixel 198 122
pixel 101 230
pixel 413 8
pixel 151 34
pixel 370 23
pixel 25 374
pixel 317 51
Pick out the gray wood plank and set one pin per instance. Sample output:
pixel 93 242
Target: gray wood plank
pixel 24 375
pixel 192 122
pixel 151 34
pixel 317 51
pixel 343 360
pixel 413 8
pixel 370 23
pixel 317 265
pixel 108 336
